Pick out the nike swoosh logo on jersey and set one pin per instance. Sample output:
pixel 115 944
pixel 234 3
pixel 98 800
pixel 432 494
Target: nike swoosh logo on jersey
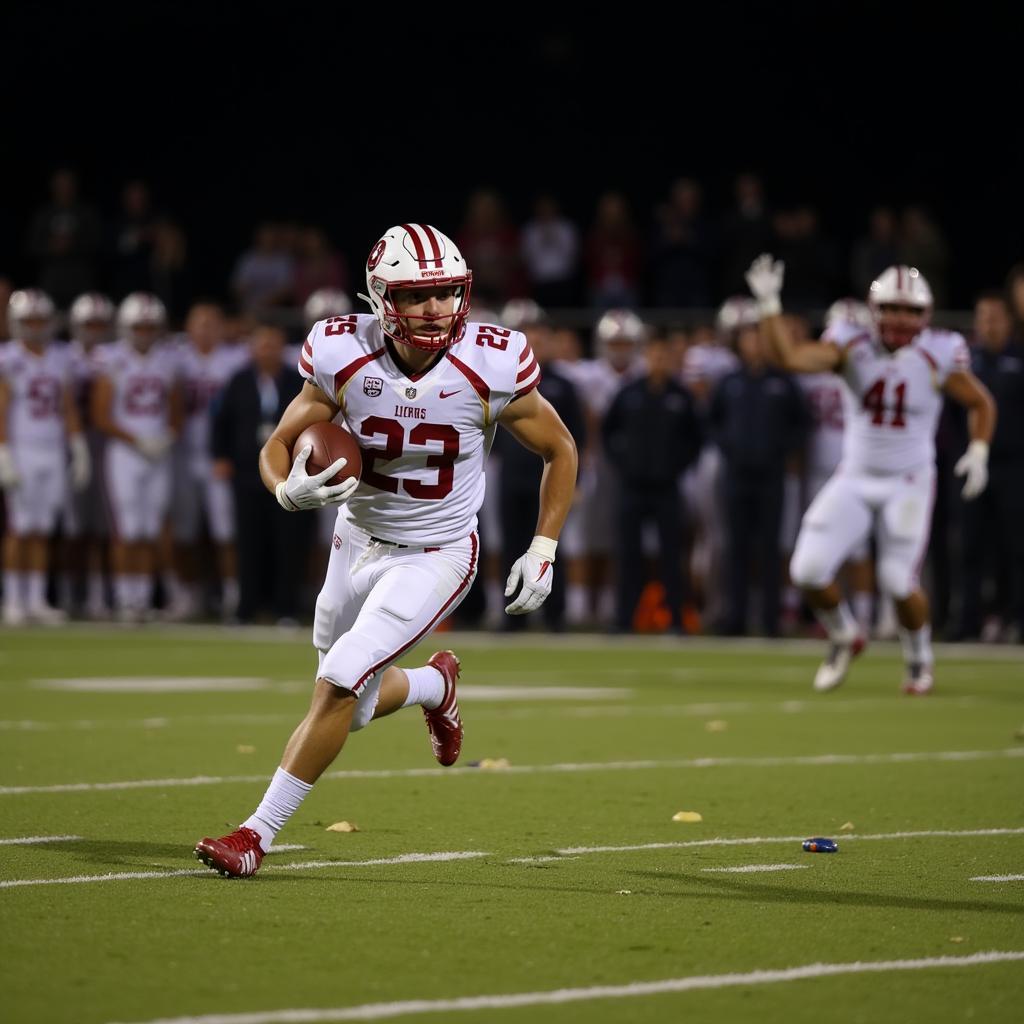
pixel 449 394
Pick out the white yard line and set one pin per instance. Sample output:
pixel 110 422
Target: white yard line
pixel 32 840
pixel 998 878
pixel 692 983
pixel 814 760
pixel 576 851
pixel 752 868
pixel 442 856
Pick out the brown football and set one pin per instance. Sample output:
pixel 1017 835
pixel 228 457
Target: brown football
pixel 330 442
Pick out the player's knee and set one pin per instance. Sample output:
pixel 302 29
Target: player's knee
pixel 895 577
pixel 810 569
pixel 347 663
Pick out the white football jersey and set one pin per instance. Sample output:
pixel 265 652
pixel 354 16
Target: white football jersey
pixel 598 382
pixel 37 385
pixel 824 394
pixel 893 399
pixel 424 437
pixel 203 377
pixel 708 363
pixel 142 384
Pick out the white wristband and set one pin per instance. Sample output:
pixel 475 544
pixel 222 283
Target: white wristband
pixel 544 547
pixel 980 448
pixel 283 500
pixel 769 306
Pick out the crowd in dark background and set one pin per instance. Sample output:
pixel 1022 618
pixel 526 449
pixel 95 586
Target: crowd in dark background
pixel 683 255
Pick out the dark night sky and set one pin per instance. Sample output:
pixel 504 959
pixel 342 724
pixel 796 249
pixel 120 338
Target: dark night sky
pixel 287 111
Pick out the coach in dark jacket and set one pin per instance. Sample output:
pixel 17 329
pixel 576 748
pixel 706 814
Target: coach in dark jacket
pixel 759 420
pixel 272 544
pixel 651 434
pixel 993 523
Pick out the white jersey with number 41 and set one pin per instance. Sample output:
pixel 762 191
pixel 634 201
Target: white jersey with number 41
pixel 424 435
pixel 893 399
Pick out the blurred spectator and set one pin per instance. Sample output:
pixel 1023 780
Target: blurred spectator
pixel 651 435
pixel 133 242
pixel 317 265
pixel 759 420
pixel 64 240
pixel 550 246
pixel 875 251
pixel 923 245
pixel 991 533
pixel 263 274
pixel 169 267
pixel 5 297
pixel 270 543
pixel 1015 291
pixel 613 255
pixel 490 245
pixel 682 253
pixel 521 469
pixel 746 232
pixel 810 259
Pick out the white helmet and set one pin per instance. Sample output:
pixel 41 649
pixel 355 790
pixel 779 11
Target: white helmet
pixel 416 256
pixel 325 302
pixel 615 327
pixel 91 308
pixel 850 311
pixel 30 304
pixel 520 313
pixel 899 286
pixel 140 309
pixel 735 313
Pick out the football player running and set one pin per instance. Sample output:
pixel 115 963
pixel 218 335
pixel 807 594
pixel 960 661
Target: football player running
pixel 896 375
pixel 423 390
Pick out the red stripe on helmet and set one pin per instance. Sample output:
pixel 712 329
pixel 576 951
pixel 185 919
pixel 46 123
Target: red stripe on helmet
pixel 421 255
pixel 435 244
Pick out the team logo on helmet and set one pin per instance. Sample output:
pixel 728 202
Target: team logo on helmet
pixel 372 386
pixel 375 255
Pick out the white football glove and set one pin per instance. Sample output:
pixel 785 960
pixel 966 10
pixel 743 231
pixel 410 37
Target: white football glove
pixel 8 471
pixel 533 574
pixel 765 280
pixel 973 464
pixel 301 491
pixel 154 448
pixel 81 464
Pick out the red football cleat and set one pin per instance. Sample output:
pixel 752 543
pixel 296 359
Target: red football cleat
pixel 444 722
pixel 236 855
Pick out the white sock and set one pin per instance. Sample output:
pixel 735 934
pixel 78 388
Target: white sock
pixel 917 645
pixel 123 591
pixel 279 803
pixel 426 687
pixel 576 610
pixel 863 602
pixel 12 588
pixel 35 589
pixel 839 622
pixel 95 598
pixel 229 595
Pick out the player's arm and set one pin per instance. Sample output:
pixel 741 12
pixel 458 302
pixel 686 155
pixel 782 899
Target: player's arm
pixel 288 481
pixel 765 280
pixel 176 409
pixel 965 389
pixel 533 422
pixel 101 408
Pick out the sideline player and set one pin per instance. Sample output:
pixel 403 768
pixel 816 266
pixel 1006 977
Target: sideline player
pixel 424 391
pixel 895 376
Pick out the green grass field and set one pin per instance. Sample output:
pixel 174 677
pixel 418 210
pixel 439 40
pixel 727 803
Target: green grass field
pixel 572 874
